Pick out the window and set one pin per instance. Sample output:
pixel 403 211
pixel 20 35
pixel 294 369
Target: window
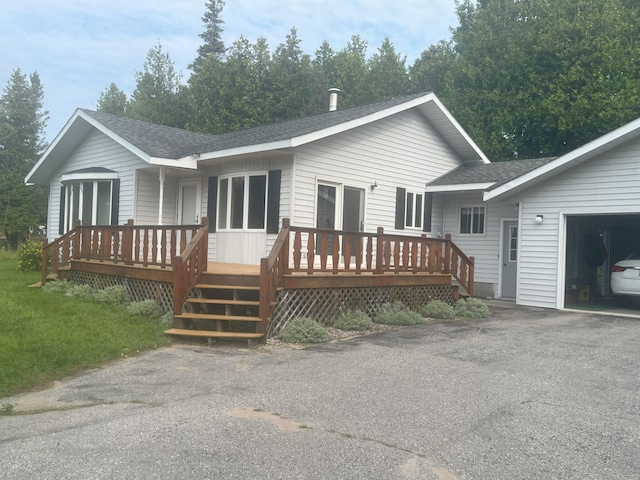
pixel 472 220
pixel 413 210
pixel 242 202
pixel 93 202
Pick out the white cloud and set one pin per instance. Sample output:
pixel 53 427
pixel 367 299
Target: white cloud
pixel 79 47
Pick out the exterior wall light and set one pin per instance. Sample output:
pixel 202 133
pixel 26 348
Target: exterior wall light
pixel 539 219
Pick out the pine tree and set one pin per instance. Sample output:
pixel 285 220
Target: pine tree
pixel 212 35
pixel 22 124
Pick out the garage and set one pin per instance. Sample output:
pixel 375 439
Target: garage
pixel 593 244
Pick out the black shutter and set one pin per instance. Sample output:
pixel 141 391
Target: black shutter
pixel 273 201
pixel 401 195
pixel 212 203
pixel 428 205
pixel 115 201
pixel 62 207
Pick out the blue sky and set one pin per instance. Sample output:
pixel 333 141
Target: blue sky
pixel 79 47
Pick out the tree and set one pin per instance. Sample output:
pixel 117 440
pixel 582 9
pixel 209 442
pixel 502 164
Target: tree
pixel 212 35
pixel 351 75
pixel 233 94
pixel 113 100
pixel 291 79
pixel 429 72
pixel 533 78
pixel 22 124
pixel 155 98
pixel 387 73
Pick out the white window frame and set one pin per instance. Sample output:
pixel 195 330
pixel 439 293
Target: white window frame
pixel 245 211
pixel 70 183
pixel 417 210
pixel 473 230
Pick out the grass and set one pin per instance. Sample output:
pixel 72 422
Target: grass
pixel 45 337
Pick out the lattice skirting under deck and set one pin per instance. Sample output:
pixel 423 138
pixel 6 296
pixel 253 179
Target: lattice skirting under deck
pixel 324 304
pixel 139 290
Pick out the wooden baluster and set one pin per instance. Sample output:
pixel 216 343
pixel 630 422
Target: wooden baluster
pixel 406 251
pixel 358 254
pixel 423 253
pixel 369 255
pixel 396 255
pixel 311 253
pixel 324 250
pixel 136 246
pixel 297 250
pixel 447 254
pixel 380 264
pixel 154 246
pixel 163 248
pixel 145 248
pixel 173 245
pixel 335 254
pixel 347 251
pixel 472 262
pixel 387 256
pixel 95 244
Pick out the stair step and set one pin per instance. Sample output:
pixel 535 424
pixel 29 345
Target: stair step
pixel 204 286
pixel 211 334
pixel 217 301
pixel 209 316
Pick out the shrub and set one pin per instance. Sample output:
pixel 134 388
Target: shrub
pixel 304 330
pixel 397 313
pixel 57 286
pixel 145 308
pixel 114 295
pixel 471 308
pixel 437 309
pixel 80 291
pixel 167 318
pixel 353 320
pixel 30 256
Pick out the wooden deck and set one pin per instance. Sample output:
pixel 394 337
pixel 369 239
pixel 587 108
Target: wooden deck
pixel 305 274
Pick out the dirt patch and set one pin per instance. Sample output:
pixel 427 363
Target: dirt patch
pixel 286 424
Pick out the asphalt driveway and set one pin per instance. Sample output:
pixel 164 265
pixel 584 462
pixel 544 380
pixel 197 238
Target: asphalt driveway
pixel 527 394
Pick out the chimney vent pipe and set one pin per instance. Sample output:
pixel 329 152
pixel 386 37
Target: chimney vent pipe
pixel 333 99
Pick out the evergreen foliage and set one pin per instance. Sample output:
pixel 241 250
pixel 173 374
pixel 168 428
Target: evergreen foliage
pixel 22 123
pixel 304 330
pixel 438 309
pixel 471 308
pixel 353 320
pixel 396 313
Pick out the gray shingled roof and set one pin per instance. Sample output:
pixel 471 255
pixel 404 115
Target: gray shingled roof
pixel 497 173
pixel 155 140
pixel 173 143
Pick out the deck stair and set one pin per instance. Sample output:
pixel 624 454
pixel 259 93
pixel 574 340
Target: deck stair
pixel 221 307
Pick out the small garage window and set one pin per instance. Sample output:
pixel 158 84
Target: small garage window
pixel 472 220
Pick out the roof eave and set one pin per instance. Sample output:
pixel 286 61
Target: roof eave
pixel 580 154
pixel 460 187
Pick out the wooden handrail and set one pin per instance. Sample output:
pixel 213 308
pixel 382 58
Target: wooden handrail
pixel 57 254
pixel 272 268
pixel 318 250
pixel 189 265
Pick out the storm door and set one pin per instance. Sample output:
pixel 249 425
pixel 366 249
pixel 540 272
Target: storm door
pixel 509 259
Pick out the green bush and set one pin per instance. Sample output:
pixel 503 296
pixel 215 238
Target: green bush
pixel 30 256
pixel 114 295
pixel 80 291
pixel 145 308
pixel 471 308
pixel 353 320
pixel 304 330
pixel 437 309
pixel 397 313
pixel 57 286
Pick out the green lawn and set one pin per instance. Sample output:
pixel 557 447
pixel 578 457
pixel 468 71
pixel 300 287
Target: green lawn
pixel 46 336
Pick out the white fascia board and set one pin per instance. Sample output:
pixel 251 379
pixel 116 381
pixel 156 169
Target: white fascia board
pixel 69 177
pixel 589 150
pixel 260 147
pixel 52 146
pixel 190 162
pixel 458 127
pixel 462 187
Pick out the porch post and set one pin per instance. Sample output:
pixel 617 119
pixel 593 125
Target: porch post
pixel 160 200
pixel 379 250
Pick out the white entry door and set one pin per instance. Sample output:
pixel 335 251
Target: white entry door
pixel 189 202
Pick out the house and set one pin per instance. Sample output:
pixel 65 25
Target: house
pixel 401 174
pixel 353 169
pixel 543 231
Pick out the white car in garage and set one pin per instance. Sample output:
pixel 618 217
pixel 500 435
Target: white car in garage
pixel 625 276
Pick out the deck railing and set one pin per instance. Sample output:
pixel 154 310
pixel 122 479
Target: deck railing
pixel 272 268
pixel 188 266
pixel 335 251
pixel 129 244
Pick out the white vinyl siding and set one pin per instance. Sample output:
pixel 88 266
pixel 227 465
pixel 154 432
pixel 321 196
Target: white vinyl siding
pixel 398 151
pixel 485 248
pixel 98 150
pixel 606 184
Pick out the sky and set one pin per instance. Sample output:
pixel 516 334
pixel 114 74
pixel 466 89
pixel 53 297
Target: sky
pixel 79 47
